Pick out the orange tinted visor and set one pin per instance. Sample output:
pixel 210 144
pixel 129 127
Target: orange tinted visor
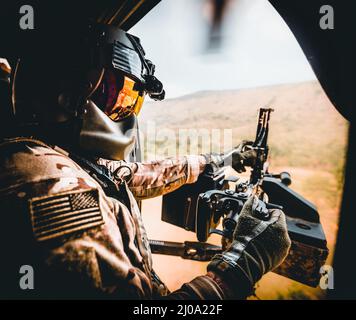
pixel 117 96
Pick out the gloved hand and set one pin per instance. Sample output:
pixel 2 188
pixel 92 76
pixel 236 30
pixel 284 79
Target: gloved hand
pixel 258 247
pixel 243 155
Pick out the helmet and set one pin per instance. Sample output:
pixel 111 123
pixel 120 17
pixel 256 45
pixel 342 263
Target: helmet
pixel 87 97
pixel 79 79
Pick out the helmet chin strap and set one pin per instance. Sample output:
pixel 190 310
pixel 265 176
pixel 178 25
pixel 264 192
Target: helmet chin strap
pixel 135 155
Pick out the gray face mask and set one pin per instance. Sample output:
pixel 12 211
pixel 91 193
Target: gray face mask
pixel 102 136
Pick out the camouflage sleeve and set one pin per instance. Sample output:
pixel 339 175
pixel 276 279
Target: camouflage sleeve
pixel 207 287
pixel 156 178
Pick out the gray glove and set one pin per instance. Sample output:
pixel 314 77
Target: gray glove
pixel 258 247
pixel 241 156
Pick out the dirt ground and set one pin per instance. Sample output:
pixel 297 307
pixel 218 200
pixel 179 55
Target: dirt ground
pixel 308 139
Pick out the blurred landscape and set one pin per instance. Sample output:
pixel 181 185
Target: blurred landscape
pixel 307 138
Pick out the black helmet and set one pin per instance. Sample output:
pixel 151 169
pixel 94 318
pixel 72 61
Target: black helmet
pixel 84 89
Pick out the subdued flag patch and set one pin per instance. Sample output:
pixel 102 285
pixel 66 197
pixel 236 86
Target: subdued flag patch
pixel 64 214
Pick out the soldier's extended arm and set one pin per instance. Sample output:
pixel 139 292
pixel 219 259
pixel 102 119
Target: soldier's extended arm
pixel 156 178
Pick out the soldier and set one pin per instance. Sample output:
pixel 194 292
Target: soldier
pixel 71 214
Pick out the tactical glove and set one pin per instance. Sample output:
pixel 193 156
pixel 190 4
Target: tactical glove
pixel 258 247
pixel 243 155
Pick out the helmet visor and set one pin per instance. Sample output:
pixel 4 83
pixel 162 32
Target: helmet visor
pixel 118 96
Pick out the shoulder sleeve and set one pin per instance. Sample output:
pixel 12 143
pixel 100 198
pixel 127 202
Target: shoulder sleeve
pixel 58 195
pixel 59 220
pixel 26 162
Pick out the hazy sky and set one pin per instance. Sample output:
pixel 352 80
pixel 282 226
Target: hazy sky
pixel 258 47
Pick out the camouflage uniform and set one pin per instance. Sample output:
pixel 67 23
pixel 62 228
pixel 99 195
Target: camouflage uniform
pixel 80 242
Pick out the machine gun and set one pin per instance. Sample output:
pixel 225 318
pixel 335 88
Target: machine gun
pixel 203 206
pixel 227 204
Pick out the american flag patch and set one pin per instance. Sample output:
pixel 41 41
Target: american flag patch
pixel 63 214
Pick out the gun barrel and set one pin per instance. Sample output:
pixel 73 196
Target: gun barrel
pixel 262 127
